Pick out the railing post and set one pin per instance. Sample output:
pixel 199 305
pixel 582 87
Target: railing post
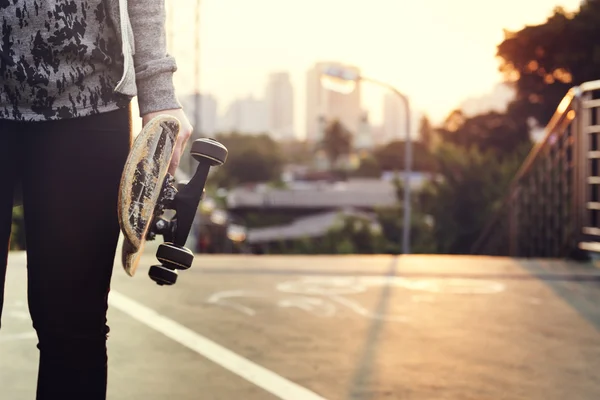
pixel 553 205
pixel 580 165
pixel 513 230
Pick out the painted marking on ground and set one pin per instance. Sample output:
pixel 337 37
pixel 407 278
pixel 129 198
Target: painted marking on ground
pixel 322 296
pixel 246 369
pixel 16 315
pixel 18 336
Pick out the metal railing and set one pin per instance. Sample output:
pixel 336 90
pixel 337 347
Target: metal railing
pixel 553 205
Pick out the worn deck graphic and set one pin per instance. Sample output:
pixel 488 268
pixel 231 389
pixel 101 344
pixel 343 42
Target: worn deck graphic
pixel 141 186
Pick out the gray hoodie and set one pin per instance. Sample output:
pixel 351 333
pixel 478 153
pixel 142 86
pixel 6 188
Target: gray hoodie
pixel 148 69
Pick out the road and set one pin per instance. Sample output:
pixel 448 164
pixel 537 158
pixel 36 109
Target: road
pixel 339 327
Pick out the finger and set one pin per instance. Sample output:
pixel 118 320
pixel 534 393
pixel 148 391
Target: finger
pixel 174 162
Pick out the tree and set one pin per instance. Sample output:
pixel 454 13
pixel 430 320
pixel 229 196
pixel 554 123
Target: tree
pixel 391 157
pixel 490 132
pixel 472 186
pixel 354 234
pixel 296 151
pixel 251 159
pixel 369 167
pixel 544 61
pixel 337 141
pixel 391 220
pixel 426 133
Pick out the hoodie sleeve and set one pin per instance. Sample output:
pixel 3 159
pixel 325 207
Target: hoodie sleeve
pixel 154 68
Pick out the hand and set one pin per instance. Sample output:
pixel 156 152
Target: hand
pixel 185 131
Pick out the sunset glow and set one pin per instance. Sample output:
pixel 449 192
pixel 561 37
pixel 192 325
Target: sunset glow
pixel 436 51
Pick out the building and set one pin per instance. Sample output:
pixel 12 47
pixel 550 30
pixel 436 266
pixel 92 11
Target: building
pixel 279 99
pixel 393 118
pixel 247 115
pixel 497 100
pixel 364 139
pixel 323 105
pixel 302 199
pixel 204 126
pixel 378 135
pixel 208 114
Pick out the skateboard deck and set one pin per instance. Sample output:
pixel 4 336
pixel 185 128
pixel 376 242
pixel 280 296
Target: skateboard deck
pixel 145 183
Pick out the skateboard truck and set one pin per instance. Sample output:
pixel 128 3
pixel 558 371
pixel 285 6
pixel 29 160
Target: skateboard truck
pixel 172 254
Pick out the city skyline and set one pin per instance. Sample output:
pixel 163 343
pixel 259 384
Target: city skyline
pixel 438 53
pixel 250 114
pixel 323 105
pixel 272 113
pixel 279 98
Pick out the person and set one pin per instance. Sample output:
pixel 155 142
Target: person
pixel 68 73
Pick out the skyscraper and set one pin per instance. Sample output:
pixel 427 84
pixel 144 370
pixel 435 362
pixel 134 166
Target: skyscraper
pixel 208 114
pixel 324 105
pixel 364 139
pixel 280 106
pixel 393 118
pixel 248 116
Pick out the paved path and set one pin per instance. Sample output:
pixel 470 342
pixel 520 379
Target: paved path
pixel 345 327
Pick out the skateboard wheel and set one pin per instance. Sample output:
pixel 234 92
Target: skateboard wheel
pixel 209 150
pixel 162 275
pixel 174 257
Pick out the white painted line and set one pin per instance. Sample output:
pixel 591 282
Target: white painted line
pixel 253 373
pixel 18 336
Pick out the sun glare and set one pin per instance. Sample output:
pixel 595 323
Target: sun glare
pixel 438 52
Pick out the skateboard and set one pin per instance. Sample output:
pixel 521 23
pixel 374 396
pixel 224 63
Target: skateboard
pixel 148 193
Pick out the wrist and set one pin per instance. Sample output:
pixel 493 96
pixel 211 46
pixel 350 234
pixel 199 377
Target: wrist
pixel 156 94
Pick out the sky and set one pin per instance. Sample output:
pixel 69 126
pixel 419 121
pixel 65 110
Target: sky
pixel 438 52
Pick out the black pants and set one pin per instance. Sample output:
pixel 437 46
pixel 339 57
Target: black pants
pixel 70 172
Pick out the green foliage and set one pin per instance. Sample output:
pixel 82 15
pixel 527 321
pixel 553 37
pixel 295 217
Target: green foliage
pixel 426 133
pixel 490 132
pixel 391 220
pixel 251 159
pixel 472 186
pixel 478 157
pixel 303 246
pixel 337 141
pixel 545 60
pixel 369 167
pixel 475 158
pixel 355 234
pixel 391 157
pixel 351 235
pixel 296 152
pixel 277 184
pixel 345 246
pixel 262 219
pixel 359 235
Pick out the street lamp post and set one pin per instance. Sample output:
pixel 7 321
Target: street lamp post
pixel 197 98
pixel 344 81
pixel 197 92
